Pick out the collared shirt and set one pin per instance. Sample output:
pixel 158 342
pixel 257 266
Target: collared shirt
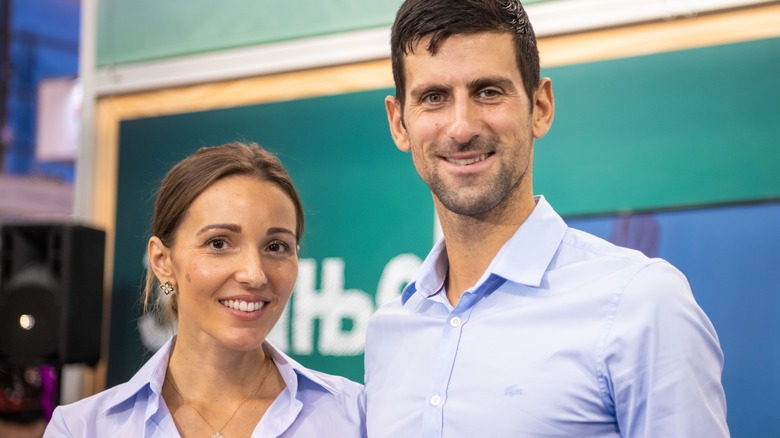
pixel 311 403
pixel 565 335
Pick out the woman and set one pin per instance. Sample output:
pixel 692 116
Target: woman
pixel 224 249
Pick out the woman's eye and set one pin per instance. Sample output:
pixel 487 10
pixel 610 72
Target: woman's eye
pixel 278 247
pixel 217 243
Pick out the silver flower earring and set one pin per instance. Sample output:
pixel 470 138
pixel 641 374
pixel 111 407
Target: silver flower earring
pixel 167 288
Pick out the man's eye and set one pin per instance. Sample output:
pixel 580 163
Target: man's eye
pixel 490 92
pixel 433 98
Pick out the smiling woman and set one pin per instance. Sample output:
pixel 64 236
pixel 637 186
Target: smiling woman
pixel 233 263
pixel 224 254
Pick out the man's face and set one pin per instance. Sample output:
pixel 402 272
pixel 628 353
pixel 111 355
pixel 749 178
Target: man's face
pixel 468 121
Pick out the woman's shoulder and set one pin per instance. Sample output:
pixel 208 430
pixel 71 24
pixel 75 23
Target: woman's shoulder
pixel 331 401
pixel 88 417
pixel 338 385
pixel 312 380
pixel 115 406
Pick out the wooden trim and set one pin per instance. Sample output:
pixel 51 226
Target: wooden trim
pixel 706 30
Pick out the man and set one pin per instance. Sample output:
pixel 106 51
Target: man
pixel 516 325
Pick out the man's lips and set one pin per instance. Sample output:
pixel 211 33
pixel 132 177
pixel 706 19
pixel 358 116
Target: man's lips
pixel 465 161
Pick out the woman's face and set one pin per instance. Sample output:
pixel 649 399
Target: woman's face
pixel 234 262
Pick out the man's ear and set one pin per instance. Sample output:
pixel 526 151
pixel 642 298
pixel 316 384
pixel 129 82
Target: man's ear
pixel 160 259
pixel 544 108
pixel 397 128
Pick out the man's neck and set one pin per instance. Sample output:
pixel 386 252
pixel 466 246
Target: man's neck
pixel 473 242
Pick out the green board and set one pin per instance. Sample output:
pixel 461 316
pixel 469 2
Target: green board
pixel 145 30
pixel 673 130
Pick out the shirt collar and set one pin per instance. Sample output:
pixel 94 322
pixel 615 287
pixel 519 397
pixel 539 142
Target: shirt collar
pixel 523 259
pixel 430 277
pixel 152 376
pixel 290 368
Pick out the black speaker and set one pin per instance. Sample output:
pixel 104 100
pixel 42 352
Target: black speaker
pixel 51 293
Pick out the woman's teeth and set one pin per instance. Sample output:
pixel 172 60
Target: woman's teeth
pixel 243 306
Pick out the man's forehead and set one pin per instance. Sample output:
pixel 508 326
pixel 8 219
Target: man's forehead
pixel 470 54
pixel 421 44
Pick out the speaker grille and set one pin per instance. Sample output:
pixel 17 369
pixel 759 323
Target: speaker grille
pixel 51 293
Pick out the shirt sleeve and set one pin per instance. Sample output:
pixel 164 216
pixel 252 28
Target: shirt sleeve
pixel 663 362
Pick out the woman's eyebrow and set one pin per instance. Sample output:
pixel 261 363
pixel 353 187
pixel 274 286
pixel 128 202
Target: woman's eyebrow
pixel 275 230
pixel 230 227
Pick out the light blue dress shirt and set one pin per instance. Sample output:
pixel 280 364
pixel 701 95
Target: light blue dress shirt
pixel 312 403
pixel 565 335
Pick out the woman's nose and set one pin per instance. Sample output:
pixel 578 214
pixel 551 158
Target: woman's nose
pixel 251 271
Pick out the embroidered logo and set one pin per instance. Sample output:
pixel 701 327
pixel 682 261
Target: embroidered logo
pixel 513 390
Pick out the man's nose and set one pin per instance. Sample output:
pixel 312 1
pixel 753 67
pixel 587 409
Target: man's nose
pixel 465 122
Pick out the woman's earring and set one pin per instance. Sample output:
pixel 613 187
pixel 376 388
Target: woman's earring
pixel 167 288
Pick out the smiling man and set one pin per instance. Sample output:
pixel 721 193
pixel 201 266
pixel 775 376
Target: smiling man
pixel 517 325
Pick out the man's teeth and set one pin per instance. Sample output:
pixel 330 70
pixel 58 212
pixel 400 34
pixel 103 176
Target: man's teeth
pixel 467 161
pixel 243 306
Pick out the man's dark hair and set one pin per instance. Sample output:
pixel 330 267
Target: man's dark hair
pixel 439 19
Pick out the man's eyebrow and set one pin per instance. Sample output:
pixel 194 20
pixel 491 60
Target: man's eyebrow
pixel 495 81
pixel 427 88
pixel 230 227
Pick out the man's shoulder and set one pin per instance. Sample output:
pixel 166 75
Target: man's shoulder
pixel 603 257
pixel 583 244
pixel 393 308
pixel 393 305
pixel 385 318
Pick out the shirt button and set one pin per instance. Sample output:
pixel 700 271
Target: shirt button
pixel 455 321
pixel 436 400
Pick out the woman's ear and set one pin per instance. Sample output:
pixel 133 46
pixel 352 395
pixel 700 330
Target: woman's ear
pixel 160 259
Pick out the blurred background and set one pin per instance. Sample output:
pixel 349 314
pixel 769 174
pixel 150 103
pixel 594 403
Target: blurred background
pixel 40 64
pixel 40 103
pixel 666 140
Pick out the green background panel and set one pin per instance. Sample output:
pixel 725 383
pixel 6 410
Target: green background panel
pixel 677 129
pixel 143 30
pixel 680 129
pixel 130 31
